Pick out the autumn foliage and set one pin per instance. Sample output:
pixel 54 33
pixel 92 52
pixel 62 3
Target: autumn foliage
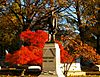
pixel 77 48
pixel 37 38
pixel 64 55
pixel 32 53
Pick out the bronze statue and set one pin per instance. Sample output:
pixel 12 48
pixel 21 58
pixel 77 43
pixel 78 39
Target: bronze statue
pixel 52 21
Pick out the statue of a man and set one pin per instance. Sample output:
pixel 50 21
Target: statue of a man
pixel 52 21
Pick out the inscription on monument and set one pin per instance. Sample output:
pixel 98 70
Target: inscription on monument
pixel 49 59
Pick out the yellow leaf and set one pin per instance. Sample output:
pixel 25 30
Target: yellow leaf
pixel 62 2
pixel 51 2
pixel 15 7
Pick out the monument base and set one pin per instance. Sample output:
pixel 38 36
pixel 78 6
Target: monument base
pixel 48 74
pixel 51 61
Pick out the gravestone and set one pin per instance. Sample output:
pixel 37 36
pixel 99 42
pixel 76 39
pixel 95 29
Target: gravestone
pixel 75 66
pixel 98 67
pixel 73 69
pixel 51 61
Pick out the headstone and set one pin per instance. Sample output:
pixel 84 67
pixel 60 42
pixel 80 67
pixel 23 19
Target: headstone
pixel 75 66
pixel 73 69
pixel 98 67
pixel 51 61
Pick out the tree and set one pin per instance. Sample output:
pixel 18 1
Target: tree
pixel 24 14
pixel 92 21
pixel 97 27
pixel 8 31
pixel 82 15
pixel 78 49
pixel 29 15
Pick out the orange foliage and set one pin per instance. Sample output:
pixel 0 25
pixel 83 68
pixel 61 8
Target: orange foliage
pixel 77 48
pixel 65 56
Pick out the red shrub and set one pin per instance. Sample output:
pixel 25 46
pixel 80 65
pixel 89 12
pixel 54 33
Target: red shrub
pixel 33 54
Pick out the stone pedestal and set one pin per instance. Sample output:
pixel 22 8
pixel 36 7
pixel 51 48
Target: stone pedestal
pixel 51 61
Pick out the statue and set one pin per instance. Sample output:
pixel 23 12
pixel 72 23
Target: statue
pixel 52 21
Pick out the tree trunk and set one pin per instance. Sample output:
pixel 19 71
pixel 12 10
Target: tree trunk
pixel 98 44
pixel 98 24
pixel 79 22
